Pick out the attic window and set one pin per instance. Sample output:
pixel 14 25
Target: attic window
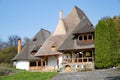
pixel 33 52
pixel 53 48
pixel 91 24
pixel 34 39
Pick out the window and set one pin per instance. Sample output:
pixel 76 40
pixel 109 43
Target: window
pixel 32 63
pixel 34 39
pixel 67 55
pixel 88 54
pixel 80 37
pixel 39 63
pixel 33 52
pixel 85 37
pixel 53 48
pixel 90 37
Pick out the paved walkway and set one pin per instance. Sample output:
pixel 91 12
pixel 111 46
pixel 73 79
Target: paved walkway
pixel 106 74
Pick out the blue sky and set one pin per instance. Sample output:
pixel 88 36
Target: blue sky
pixel 26 17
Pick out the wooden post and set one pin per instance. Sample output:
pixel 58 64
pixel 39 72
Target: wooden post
pixel 36 63
pixel 41 63
pixel 72 57
pixel 47 60
pixel 82 57
pixel 92 56
pixel 92 37
pixel 57 57
pixel 58 61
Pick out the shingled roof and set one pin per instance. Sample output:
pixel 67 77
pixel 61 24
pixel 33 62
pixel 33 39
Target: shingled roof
pixel 33 45
pixel 69 42
pixel 73 19
pixel 55 40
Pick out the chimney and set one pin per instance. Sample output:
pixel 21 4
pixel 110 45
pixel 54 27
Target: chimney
pixel 19 45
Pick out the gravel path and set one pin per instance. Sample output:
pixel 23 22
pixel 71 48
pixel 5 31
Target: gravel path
pixel 106 74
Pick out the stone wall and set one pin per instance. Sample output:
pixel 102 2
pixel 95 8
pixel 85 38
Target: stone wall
pixel 78 67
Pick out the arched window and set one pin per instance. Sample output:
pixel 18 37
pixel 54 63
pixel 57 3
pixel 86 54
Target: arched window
pixel 85 37
pixel 88 54
pixel 80 37
pixel 90 37
pixel 53 48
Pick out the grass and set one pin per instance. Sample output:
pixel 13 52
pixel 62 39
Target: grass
pixel 26 75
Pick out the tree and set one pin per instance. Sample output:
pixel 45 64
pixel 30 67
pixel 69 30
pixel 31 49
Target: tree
pixel 13 40
pixel 113 41
pixel 1 44
pixel 26 40
pixel 7 54
pixel 102 45
pixel 107 46
pixel 116 20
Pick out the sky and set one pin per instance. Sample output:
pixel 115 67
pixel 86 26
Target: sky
pixel 26 17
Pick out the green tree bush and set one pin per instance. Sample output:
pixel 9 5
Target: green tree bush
pixel 6 55
pixel 107 47
pixel 102 45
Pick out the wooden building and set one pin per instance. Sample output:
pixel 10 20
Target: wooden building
pixel 25 58
pixel 69 48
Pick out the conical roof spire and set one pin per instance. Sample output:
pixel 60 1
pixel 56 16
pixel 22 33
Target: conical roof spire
pixel 60 14
pixel 60 29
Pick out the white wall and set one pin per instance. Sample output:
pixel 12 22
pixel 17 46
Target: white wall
pixel 60 61
pixel 22 65
pixel 52 61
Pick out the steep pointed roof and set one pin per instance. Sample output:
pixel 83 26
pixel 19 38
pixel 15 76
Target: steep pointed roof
pixel 54 40
pixel 33 45
pixel 69 42
pixel 71 21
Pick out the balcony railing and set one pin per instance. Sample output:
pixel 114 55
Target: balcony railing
pixel 77 60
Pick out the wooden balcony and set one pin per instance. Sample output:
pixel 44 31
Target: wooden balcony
pixel 77 60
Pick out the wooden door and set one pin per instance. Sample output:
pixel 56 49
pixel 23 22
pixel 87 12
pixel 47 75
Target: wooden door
pixel 67 68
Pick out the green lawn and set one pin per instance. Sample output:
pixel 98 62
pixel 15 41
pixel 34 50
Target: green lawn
pixel 25 75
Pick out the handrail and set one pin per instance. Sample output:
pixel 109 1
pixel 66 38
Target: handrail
pixel 78 60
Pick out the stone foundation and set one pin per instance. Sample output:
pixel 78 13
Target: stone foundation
pixel 78 67
pixel 50 68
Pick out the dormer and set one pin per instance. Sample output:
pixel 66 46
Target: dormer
pixel 34 52
pixel 84 38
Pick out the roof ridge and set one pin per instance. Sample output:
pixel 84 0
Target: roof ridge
pixel 42 34
pixel 79 13
pixel 45 30
pixel 83 14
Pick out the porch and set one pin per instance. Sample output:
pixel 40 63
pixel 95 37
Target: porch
pixel 46 63
pixel 76 57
